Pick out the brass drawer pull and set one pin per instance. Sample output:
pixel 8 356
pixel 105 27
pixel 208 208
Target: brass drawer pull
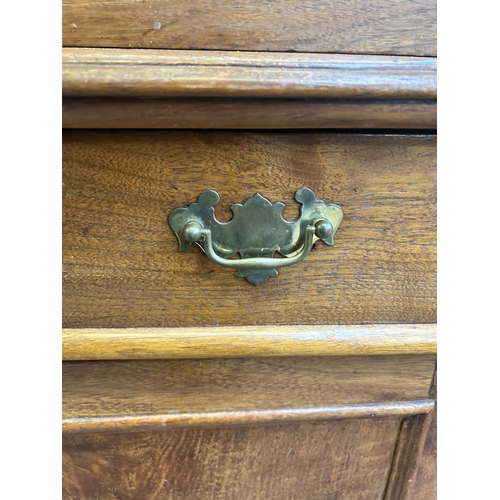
pixel 256 231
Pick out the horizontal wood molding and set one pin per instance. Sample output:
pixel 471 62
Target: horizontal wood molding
pixel 134 423
pixel 186 386
pixel 164 73
pixel 368 27
pixel 117 88
pixel 217 113
pixel 205 342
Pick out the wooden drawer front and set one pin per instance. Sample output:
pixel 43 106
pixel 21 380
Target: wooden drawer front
pixel 121 264
pixel 343 26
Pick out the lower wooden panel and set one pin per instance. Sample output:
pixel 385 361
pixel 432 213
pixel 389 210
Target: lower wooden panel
pixel 425 487
pixel 324 460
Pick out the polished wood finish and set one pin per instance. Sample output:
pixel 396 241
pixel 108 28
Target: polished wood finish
pixel 121 264
pixel 342 26
pixel 214 113
pixel 322 460
pixel 135 423
pixel 182 381
pixel 166 73
pixel 106 88
pixel 152 388
pixel 247 341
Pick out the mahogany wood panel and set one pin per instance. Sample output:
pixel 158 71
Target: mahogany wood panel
pixel 165 73
pixel 155 387
pixel 231 342
pixel 368 27
pixel 121 264
pixel 323 460
pixel 215 113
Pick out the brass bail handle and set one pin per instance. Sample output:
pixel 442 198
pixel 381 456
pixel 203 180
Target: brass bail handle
pixel 250 231
pixel 193 231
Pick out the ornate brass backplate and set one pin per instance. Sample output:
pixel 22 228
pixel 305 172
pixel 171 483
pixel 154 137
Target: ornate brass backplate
pixel 256 231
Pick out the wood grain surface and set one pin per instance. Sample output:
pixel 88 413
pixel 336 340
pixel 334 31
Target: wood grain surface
pixel 425 481
pixel 323 460
pixel 408 450
pixel 121 264
pixel 156 387
pixel 424 484
pixel 232 342
pixel 163 421
pixel 368 27
pixel 166 73
pixel 214 113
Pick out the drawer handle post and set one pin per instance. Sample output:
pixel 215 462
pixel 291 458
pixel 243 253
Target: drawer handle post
pixel 256 232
